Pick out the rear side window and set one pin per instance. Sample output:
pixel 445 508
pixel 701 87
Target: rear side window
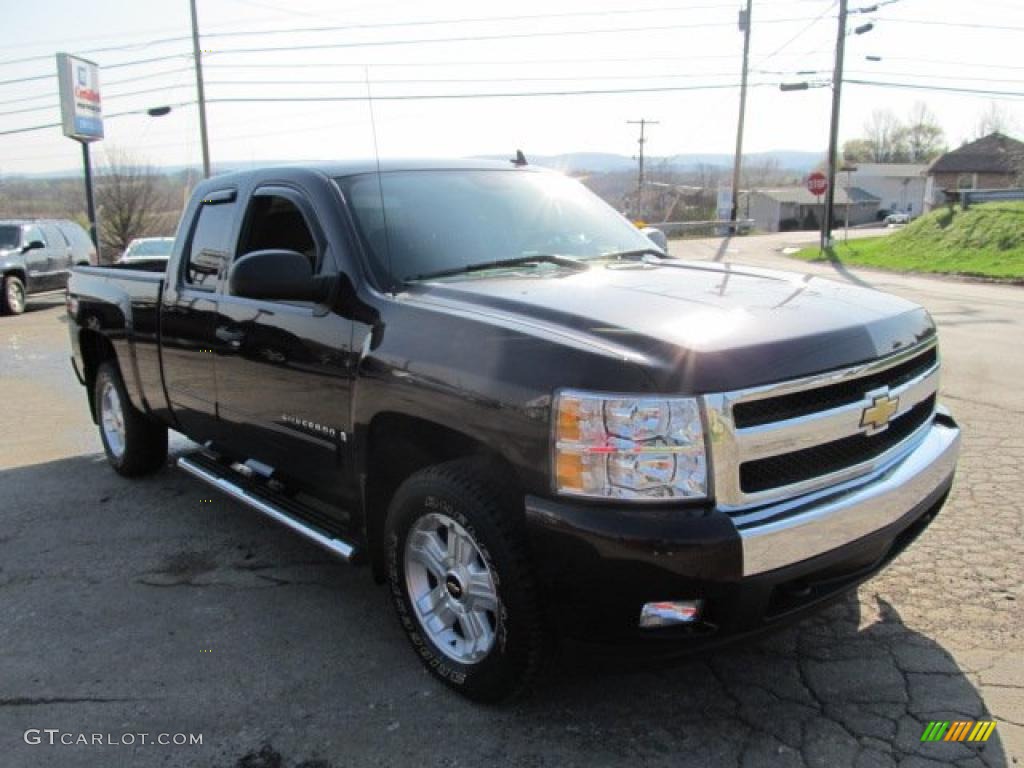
pixel 211 244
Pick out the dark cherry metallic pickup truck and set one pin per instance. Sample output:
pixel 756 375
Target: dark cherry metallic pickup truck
pixel 487 384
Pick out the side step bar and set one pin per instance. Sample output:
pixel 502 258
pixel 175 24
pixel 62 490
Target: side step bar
pixel 336 546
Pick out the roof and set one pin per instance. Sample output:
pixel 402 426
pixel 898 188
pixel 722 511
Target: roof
pixel 890 170
pixel 995 153
pixel 370 165
pixel 802 196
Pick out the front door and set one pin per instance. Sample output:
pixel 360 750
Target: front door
pixel 283 368
pixel 188 316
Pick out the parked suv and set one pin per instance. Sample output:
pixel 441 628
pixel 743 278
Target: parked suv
pixel 37 256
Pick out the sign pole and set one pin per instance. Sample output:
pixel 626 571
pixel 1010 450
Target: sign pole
pixel 90 201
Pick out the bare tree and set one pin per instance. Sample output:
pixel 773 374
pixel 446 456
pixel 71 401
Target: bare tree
pixel 995 119
pixel 130 197
pixel 924 137
pixel 886 137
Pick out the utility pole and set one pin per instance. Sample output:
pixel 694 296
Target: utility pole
pixel 833 140
pixel 643 123
pixel 197 55
pixel 738 158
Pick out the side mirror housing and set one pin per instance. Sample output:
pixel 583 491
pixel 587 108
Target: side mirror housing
pixel 276 275
pixel 657 237
pixel 33 245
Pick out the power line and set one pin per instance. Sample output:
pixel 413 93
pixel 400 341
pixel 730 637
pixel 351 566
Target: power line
pixel 119 65
pixel 942 88
pixel 414 81
pixel 964 24
pixel 30 128
pixel 481 38
pixel 106 93
pixel 374 25
pixel 951 63
pixel 512 94
pixel 798 35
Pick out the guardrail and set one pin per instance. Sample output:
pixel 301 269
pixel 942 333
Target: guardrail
pixel 698 228
pixel 972 196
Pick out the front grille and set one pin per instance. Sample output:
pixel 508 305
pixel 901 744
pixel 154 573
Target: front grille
pixel 820 460
pixel 754 413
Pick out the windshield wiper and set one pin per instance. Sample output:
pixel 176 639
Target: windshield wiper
pixel 638 253
pixel 564 261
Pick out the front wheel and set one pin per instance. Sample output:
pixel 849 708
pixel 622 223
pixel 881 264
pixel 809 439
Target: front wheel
pixel 462 582
pixel 134 444
pixel 12 300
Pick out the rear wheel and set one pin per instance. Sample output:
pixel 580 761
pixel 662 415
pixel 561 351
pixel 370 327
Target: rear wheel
pixel 12 300
pixel 134 444
pixel 462 581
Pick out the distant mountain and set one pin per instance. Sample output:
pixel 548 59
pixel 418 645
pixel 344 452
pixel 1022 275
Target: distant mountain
pixel 570 162
pixel 600 162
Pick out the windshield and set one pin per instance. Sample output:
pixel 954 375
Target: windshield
pixel 10 236
pixel 157 247
pixel 445 220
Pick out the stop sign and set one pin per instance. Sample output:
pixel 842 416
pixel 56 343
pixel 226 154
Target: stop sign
pixel 817 183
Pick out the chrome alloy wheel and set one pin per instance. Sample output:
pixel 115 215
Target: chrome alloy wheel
pixel 15 297
pixel 451 588
pixel 112 419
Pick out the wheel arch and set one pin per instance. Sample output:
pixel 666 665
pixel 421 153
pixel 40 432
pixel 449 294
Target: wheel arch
pixel 395 446
pixel 96 349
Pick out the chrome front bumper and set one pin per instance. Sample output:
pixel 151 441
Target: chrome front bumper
pixel 798 529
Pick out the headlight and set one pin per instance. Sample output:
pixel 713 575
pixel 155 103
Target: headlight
pixel 635 448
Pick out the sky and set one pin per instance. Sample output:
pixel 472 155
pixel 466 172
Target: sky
pixel 690 51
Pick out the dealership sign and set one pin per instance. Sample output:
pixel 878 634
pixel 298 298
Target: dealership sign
pixel 79 82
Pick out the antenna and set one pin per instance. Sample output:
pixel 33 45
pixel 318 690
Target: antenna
pixel 380 182
pixel 519 160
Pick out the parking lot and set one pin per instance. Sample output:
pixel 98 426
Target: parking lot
pixel 157 606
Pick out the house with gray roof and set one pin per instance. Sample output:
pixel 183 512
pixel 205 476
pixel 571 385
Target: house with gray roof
pixel 995 161
pixel 790 208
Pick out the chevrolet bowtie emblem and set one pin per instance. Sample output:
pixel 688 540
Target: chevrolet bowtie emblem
pixel 876 416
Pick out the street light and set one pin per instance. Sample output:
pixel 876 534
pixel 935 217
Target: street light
pixel 158 111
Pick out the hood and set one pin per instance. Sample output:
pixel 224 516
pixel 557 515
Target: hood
pixel 700 327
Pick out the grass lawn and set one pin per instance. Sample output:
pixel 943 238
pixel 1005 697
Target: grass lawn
pixel 985 240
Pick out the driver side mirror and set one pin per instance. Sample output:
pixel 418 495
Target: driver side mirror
pixel 33 245
pixel 277 275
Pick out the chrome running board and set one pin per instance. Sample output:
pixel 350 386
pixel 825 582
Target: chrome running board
pixel 223 482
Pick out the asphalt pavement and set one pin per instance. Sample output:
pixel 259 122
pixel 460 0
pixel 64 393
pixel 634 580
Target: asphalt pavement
pixel 157 606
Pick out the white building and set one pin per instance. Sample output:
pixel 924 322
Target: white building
pixel 792 208
pixel 898 186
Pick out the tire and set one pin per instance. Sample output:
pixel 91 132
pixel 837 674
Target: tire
pixel 486 587
pixel 134 444
pixel 12 298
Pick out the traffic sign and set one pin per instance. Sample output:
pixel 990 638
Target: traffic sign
pixel 817 183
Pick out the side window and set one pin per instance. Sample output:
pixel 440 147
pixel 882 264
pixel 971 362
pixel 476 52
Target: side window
pixel 33 233
pixel 211 244
pixel 54 237
pixel 276 222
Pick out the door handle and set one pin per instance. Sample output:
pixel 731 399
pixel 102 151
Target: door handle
pixel 232 338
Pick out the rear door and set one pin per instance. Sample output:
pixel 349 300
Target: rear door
pixel 59 254
pixel 188 314
pixel 283 368
pixel 37 261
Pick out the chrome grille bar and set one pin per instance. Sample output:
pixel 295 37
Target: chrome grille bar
pixel 731 446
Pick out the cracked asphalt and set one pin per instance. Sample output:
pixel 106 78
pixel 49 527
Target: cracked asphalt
pixel 158 606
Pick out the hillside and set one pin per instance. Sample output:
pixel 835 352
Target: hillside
pixel 985 240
